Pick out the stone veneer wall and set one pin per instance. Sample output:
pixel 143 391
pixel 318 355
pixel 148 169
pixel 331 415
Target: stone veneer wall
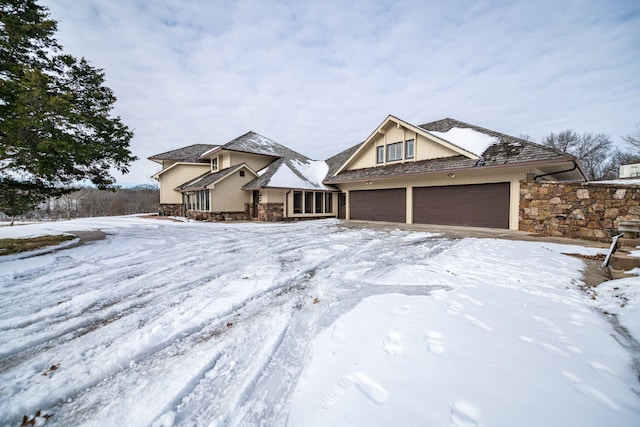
pixel 589 211
pixel 217 216
pixel 270 211
pixel 170 209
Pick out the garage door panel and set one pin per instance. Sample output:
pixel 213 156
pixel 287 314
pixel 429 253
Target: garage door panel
pixel 478 205
pixel 379 205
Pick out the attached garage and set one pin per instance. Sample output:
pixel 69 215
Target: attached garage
pixel 378 205
pixel 477 205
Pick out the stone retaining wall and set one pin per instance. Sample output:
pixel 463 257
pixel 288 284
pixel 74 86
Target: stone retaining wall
pixel 579 210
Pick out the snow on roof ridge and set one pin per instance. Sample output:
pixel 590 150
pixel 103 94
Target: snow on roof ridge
pixel 471 140
pixel 303 174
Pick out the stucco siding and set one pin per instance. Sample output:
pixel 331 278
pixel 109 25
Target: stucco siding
pixel 227 196
pixel 424 148
pixel 177 176
pixel 272 196
pixel 427 149
pixel 255 162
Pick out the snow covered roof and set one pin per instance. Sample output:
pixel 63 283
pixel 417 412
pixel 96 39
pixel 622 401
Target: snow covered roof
pixel 468 139
pixel 288 170
pixel 487 143
pixel 292 173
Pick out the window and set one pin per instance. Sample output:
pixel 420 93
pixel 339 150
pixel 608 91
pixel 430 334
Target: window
pixel 297 202
pixel 380 154
pixel 241 173
pixel 394 151
pixel 328 203
pixel 319 202
pixel 308 202
pixel 312 202
pixel 214 164
pixel 408 150
pixel 198 201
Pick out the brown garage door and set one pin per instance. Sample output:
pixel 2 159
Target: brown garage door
pixel 478 205
pixel 379 205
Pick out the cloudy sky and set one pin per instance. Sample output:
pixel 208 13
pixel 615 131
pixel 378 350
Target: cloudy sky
pixel 320 76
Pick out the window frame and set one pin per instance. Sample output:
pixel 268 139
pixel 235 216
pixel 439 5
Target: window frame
pixel 319 202
pixel 297 202
pixel 393 149
pixel 410 143
pixel 380 154
pixel 328 202
pixel 308 202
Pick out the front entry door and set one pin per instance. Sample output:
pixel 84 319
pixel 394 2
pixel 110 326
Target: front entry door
pixel 254 207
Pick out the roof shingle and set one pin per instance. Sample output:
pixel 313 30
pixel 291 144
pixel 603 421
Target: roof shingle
pixel 189 153
pixel 208 178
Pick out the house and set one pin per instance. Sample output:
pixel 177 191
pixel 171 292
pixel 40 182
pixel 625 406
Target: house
pixel 250 176
pixel 445 172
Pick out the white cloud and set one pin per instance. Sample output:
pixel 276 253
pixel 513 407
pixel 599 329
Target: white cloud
pixel 319 76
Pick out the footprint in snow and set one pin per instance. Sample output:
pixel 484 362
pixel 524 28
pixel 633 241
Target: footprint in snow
pixel 434 339
pixel 552 328
pixel 454 308
pixel 577 319
pixel 590 392
pixel 392 343
pixel 361 382
pixel 478 323
pixel 603 370
pixel 464 414
pixel 552 348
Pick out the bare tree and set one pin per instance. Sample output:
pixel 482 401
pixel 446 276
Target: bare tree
pixel 595 152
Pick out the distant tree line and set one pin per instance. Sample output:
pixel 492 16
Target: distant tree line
pixel 91 202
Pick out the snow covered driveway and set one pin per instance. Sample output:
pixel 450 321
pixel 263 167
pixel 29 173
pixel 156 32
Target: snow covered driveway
pixel 303 324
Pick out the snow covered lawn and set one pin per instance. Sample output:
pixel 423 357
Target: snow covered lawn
pixel 309 324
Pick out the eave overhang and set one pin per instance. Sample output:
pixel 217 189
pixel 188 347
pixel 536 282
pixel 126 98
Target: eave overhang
pixel 560 163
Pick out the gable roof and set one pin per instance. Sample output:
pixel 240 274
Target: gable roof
pixel 189 154
pixel 201 182
pixel 255 143
pixel 291 173
pixel 399 122
pixel 497 149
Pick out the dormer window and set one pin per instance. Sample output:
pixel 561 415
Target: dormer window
pixel 214 164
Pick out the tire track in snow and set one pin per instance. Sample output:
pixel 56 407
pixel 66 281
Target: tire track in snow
pixel 131 297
